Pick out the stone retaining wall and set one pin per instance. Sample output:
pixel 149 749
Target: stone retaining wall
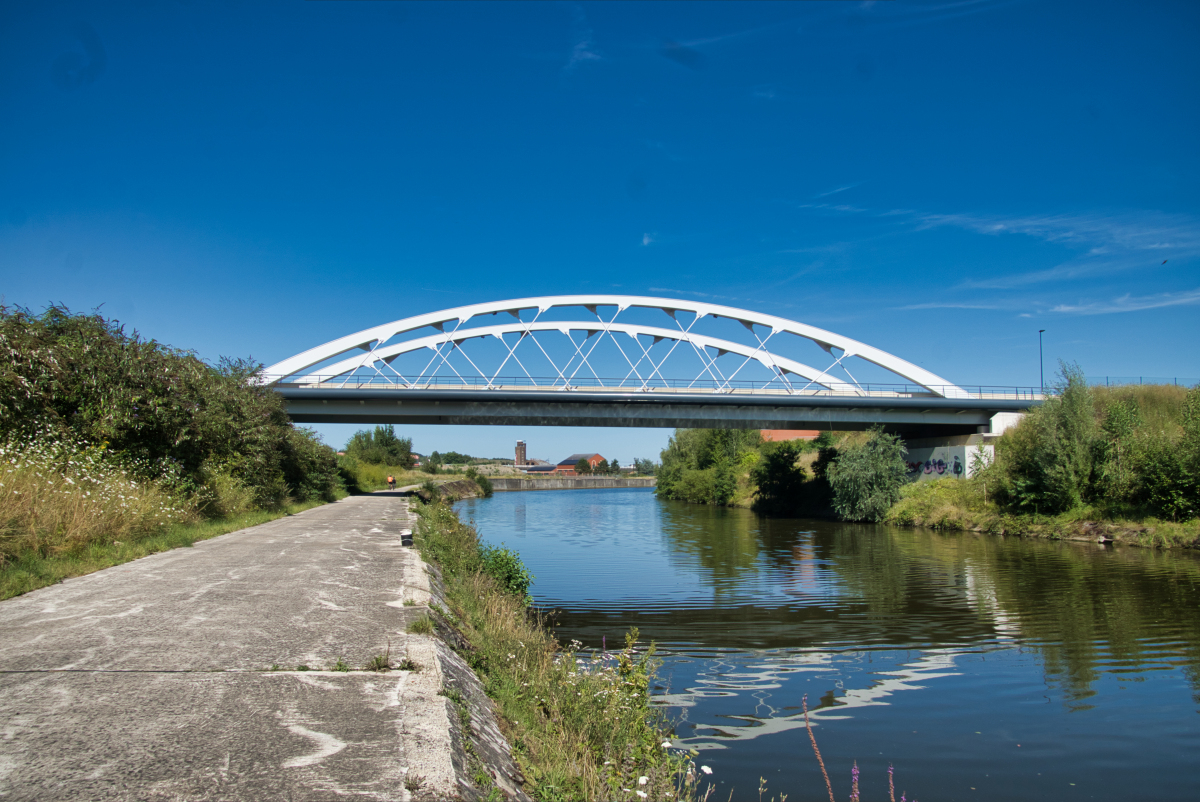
pixel 501 484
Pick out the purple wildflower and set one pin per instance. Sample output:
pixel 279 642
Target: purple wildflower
pixel 854 783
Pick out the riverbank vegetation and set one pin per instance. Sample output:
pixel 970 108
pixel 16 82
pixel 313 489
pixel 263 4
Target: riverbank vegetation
pixel 1116 462
pixel 581 725
pixel 110 440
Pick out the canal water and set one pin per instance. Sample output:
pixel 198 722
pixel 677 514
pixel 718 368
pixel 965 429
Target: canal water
pixel 980 667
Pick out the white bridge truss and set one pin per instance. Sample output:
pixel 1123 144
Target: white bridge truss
pixel 371 357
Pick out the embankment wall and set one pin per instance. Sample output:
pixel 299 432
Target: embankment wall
pixel 569 482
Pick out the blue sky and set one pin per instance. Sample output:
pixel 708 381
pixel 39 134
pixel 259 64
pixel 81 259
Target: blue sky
pixel 938 179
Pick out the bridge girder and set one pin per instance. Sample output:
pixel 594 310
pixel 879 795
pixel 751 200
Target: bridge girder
pixel 911 417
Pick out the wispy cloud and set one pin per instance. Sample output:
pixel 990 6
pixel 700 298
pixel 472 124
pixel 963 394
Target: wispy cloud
pixel 1130 303
pixel 584 48
pixel 839 189
pixel 1106 242
pixel 935 305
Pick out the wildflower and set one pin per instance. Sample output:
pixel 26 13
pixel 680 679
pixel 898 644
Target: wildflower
pixel 643 780
pixel 666 744
pixel 642 794
pixel 706 769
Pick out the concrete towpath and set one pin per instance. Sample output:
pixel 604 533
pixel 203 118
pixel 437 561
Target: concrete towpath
pixel 155 679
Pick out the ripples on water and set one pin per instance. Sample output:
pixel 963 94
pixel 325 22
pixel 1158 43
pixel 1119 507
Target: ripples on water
pixel 981 667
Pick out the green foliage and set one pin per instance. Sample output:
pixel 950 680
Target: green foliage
pixel 866 479
pixel 583 467
pixel 701 465
pixel 645 467
pixel 454 458
pixel 380 447
pixel 1050 456
pixel 601 468
pixel 177 418
pixel 485 484
pixel 1130 451
pixel 580 728
pixel 779 478
pixel 505 566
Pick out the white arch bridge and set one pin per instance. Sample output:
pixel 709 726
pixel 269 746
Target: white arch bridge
pixel 625 361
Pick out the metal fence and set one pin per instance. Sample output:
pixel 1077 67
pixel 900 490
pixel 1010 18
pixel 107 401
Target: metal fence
pixel 1116 381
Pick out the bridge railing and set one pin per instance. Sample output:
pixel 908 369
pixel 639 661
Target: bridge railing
pixel 656 385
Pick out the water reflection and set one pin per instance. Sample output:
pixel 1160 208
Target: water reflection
pixel 905 641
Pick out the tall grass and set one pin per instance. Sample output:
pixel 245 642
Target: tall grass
pixel 30 570
pixel 581 725
pixel 58 495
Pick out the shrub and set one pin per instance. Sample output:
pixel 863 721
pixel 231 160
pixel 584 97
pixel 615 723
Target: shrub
pixel 866 479
pixel 1049 457
pixel 505 566
pixel 699 464
pixel 380 447
pixel 778 476
pixel 172 415
pixel 485 484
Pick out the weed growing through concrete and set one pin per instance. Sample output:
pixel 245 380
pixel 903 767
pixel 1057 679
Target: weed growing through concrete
pixel 302 667
pixel 410 602
pixel 340 665
pixel 408 665
pixel 413 782
pixel 422 626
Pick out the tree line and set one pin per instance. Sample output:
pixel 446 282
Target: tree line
pixel 1126 452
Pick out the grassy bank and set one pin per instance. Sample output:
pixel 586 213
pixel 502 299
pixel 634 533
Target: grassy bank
pixel 964 505
pixel 365 477
pixel 29 570
pixel 581 725
pixel 1120 463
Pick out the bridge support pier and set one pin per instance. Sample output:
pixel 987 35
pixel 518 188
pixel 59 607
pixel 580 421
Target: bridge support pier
pixel 956 456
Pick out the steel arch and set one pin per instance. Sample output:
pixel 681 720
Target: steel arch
pixel 451 325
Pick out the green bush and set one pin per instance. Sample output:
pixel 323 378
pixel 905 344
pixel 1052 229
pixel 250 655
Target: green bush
pixel 485 484
pixel 866 479
pixel 698 465
pixel 381 447
pixel 1050 456
pixel 176 418
pixel 505 566
pixel 779 479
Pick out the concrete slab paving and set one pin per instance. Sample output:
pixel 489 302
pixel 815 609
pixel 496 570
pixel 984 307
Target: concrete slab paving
pixel 149 680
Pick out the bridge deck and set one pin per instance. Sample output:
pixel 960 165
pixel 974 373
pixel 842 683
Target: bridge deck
pixel 911 414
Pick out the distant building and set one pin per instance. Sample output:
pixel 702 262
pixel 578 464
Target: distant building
pixel 782 435
pixel 520 452
pixel 567 466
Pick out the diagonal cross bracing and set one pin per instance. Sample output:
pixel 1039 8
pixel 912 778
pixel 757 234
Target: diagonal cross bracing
pixel 454 326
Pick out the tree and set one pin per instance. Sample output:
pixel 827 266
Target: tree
pixel 645 467
pixel 866 479
pixel 601 468
pixel 614 467
pixel 380 447
pixel 583 467
pixel 778 477
pixel 1049 459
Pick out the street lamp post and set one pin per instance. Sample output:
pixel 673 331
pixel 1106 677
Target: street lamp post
pixel 1041 365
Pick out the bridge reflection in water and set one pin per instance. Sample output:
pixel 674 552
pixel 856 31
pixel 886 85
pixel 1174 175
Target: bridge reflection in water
pixel 977 643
